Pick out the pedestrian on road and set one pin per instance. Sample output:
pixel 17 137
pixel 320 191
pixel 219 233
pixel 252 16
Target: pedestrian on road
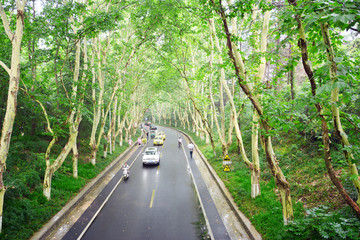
pixel 191 149
pixel 139 141
pixel 179 141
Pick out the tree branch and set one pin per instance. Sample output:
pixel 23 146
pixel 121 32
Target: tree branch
pixel 354 29
pixel 5 67
pixel 351 122
pixel 6 23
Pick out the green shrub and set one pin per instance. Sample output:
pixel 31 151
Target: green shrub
pixel 66 183
pixel 320 223
pixel 87 171
pixel 26 209
pixel 302 162
pixel 17 188
pixel 19 214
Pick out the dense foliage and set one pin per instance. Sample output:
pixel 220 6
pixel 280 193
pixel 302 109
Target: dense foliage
pixel 246 78
pixel 26 208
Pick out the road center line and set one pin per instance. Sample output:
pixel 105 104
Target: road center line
pixel 152 199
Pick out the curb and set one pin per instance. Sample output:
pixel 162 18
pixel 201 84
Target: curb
pixel 56 220
pixel 250 230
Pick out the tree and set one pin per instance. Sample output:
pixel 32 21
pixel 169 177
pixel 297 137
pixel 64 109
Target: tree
pixel 14 76
pixel 73 120
pixel 334 108
pixel 238 62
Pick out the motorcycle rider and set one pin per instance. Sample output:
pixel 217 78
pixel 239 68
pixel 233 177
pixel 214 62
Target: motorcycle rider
pixel 126 169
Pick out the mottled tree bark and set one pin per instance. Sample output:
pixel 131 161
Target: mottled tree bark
pixel 14 77
pixel 340 133
pixel 325 131
pixel 281 182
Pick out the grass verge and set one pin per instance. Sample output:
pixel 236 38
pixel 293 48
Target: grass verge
pixel 26 209
pixel 319 211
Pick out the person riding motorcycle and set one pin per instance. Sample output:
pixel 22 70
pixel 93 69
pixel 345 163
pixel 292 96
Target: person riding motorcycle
pixel 126 171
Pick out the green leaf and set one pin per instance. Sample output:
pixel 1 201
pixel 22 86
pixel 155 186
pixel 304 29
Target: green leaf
pixel 354 177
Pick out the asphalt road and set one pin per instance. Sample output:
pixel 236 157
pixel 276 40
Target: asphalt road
pixel 156 202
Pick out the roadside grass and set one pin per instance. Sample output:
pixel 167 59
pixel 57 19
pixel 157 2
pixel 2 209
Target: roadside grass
pixel 319 210
pixel 25 207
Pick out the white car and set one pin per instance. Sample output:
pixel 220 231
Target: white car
pixel 151 156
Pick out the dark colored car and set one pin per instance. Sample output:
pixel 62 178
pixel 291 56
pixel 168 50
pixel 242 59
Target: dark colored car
pixel 152 133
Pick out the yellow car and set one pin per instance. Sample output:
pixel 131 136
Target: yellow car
pixel 158 140
pixel 162 134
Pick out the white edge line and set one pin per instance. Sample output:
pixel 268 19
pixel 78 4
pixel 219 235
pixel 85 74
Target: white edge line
pixel 197 192
pixel 106 200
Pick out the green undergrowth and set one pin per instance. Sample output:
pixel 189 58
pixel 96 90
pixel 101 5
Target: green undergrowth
pixel 319 210
pixel 26 209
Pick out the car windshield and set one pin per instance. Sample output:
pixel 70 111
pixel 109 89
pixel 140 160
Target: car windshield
pixel 158 138
pixel 149 152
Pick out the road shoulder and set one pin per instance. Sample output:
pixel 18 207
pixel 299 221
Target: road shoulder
pixel 60 224
pixel 236 223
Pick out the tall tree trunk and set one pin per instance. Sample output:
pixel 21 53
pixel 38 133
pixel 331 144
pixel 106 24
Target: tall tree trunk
pixel 233 109
pixel 96 107
pixel 11 104
pixel 116 86
pixel 52 168
pixel 107 137
pixel 121 127
pixel 74 120
pixel 291 77
pixel 220 127
pixel 255 173
pixel 31 50
pixel 75 160
pixel 118 130
pixel 281 182
pixel 113 125
pixel 325 131
pixel 204 121
pixel 340 133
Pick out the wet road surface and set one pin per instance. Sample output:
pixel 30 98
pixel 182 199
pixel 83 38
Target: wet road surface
pixel 156 202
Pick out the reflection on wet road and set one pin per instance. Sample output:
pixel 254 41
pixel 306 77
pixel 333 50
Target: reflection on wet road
pixel 156 202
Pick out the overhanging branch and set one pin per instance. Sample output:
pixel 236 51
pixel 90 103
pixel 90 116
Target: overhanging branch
pixel 6 23
pixel 5 67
